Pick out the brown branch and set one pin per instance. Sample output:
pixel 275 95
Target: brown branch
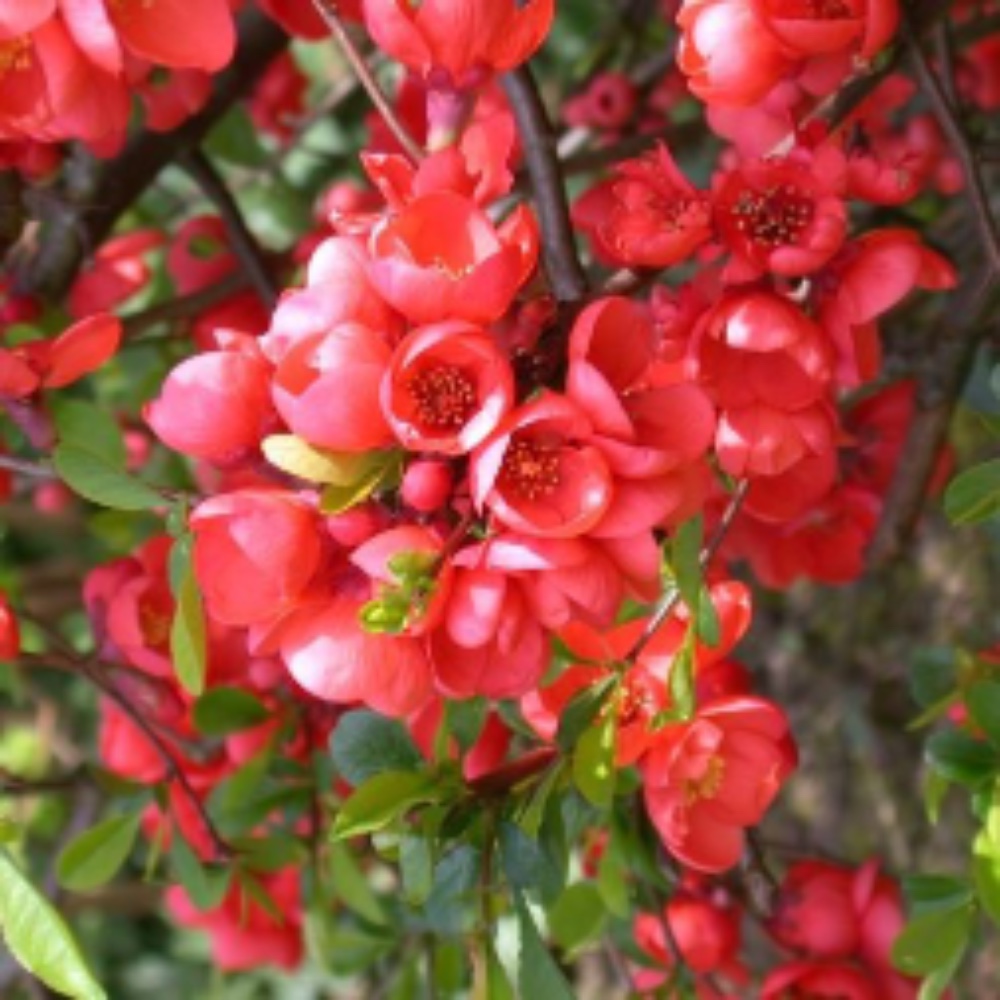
pixel 562 262
pixel 15 786
pixel 248 251
pixel 182 308
pixel 94 194
pixel 23 467
pixel 327 10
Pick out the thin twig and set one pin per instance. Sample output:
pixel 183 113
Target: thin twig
pixel 248 251
pixel 331 16
pixel 16 786
pixel 36 470
pixel 562 262
pixel 672 596
pixel 182 308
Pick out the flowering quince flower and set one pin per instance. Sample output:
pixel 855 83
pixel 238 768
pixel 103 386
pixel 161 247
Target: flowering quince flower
pixel 447 388
pixel 279 99
pixel 300 18
pixel 710 778
pixel 540 474
pixel 461 37
pixel 215 406
pixel 161 31
pixel 50 91
pixel 814 978
pixel 728 55
pixel 485 755
pixel 782 216
pixel 10 632
pixel 169 96
pixel 608 102
pixel 442 258
pixel 819 27
pixel 53 364
pixel 871 275
pixel 707 936
pixel 815 913
pixel 650 215
pixel 255 552
pixel 243 934
pixel 199 254
pixel 327 388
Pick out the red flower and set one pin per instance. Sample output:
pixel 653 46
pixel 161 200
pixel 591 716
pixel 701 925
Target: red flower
pixel 10 633
pixel 819 27
pixel 441 258
pixel 649 216
pixel 447 388
pixel 714 776
pixel 728 55
pixel 255 552
pixel 326 387
pixel 815 912
pixel 243 933
pixel 781 216
pixel 540 474
pixel 462 37
pixel 820 979
pixel 215 406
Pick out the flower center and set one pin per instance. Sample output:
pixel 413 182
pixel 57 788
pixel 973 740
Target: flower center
pixel 444 396
pixel 530 469
pixel 15 55
pixel 773 217
pixel 708 785
pixel 154 625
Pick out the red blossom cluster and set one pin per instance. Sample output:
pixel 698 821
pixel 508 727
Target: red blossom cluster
pixel 420 470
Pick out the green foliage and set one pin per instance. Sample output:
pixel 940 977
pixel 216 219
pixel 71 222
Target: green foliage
pixel 365 744
pixel 383 799
pixel 95 478
pixel 95 856
pixel 973 496
pixel 225 710
pixel 39 938
pixel 188 631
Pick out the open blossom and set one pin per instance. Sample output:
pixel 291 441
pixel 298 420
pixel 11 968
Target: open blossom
pixel 540 474
pixel 441 258
pixel 447 388
pixel 650 215
pixel 820 27
pixel 820 979
pixel 711 778
pixel 815 913
pixel 781 216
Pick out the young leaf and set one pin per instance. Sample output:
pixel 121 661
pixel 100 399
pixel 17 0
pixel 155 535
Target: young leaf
pixel 205 886
pixel 526 864
pixel 382 799
pixel 95 856
pixel 365 744
pixel 299 458
pixel 685 560
pixel 578 916
pixel 582 710
pixel 94 478
pixel 39 939
pixel 537 973
pixel 594 763
pixel 188 637
pixel 87 426
pixel 962 759
pixel 973 496
pixel 225 710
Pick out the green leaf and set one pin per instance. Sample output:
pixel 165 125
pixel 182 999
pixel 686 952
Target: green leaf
pixel 188 634
pixel 225 710
pixel 465 720
pixel 612 879
pixel 497 985
pixel 383 799
pixel 933 940
pixel 986 868
pixel 206 886
pixel 235 140
pixel 962 759
pixel 933 987
pixel 351 885
pixel 974 495
pixel 927 893
pixel 685 560
pixel 416 866
pixel 526 864
pixel 365 744
pixel 91 428
pixel 983 701
pixel 707 620
pixel 95 856
pixel 39 939
pixel 337 499
pixel 682 689
pixel 933 675
pixel 538 976
pixel 935 789
pixel 449 907
pixel 298 458
pixel 96 479
pixel 582 710
pixel 594 763
pixel 578 917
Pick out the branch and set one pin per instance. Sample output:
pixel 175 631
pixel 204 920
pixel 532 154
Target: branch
pixel 245 245
pixel 184 307
pixel 569 283
pixel 36 470
pixel 94 194
pixel 327 10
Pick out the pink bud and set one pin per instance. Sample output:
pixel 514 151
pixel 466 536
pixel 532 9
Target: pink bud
pixel 427 485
